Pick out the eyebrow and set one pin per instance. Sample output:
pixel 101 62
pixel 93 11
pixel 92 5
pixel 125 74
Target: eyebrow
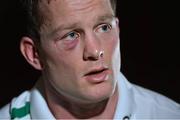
pixel 105 17
pixel 75 25
pixel 62 27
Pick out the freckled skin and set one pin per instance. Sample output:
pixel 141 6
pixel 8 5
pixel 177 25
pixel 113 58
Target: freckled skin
pixel 65 63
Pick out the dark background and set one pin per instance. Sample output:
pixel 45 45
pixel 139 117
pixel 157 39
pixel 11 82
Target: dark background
pixel 149 47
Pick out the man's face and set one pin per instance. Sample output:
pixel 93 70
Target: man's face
pixel 80 48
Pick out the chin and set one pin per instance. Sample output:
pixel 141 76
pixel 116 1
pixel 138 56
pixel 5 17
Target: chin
pixel 100 92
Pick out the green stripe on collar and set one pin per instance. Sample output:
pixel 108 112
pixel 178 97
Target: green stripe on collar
pixel 20 112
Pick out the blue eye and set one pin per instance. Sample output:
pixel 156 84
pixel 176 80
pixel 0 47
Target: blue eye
pixel 71 36
pixel 104 28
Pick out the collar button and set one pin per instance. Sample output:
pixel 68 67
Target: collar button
pixel 126 118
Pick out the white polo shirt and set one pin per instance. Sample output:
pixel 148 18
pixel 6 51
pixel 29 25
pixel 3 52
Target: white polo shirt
pixel 134 102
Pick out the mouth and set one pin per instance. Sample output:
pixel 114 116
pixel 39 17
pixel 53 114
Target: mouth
pixel 97 75
pixel 92 72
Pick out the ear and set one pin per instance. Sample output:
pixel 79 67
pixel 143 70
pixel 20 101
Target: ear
pixel 29 51
pixel 117 24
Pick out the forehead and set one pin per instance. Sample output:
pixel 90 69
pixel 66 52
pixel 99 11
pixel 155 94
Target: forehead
pixel 63 7
pixel 63 12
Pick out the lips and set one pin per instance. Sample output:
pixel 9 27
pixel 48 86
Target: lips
pixel 97 75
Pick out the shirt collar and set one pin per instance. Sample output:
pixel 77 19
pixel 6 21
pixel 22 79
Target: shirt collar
pixel 39 108
pixel 124 105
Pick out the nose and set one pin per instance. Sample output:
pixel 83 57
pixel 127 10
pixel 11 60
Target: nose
pixel 92 50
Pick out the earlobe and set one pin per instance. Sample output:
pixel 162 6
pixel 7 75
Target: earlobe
pixel 29 51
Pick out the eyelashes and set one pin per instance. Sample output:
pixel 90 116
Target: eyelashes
pixel 71 36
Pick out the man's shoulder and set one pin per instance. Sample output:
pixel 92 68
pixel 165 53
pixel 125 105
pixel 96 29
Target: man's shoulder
pixel 155 103
pixel 17 103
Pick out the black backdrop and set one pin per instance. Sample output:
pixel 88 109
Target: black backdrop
pixel 149 47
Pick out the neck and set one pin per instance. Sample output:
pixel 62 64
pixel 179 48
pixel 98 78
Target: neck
pixel 62 108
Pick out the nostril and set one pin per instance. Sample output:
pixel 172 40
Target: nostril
pixel 91 58
pixel 101 53
pixel 93 55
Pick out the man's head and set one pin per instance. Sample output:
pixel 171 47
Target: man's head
pixel 78 52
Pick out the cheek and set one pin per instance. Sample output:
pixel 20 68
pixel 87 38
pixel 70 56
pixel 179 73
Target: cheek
pixel 60 62
pixel 65 62
pixel 54 58
pixel 111 46
pixel 110 42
